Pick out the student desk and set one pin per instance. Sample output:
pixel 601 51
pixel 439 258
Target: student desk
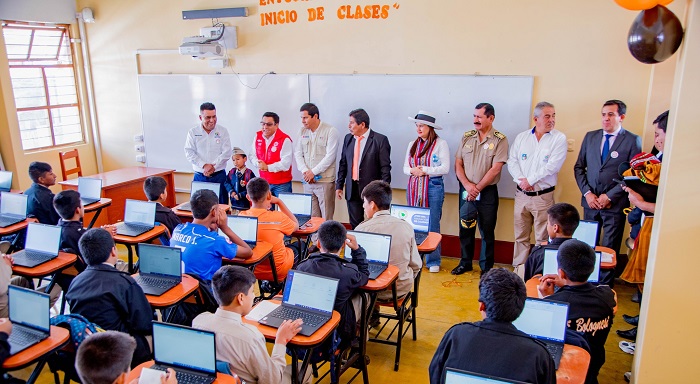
pixel 14 228
pixel 531 286
pixel 38 353
pixel 299 342
pixel 97 208
pixel 603 264
pixel 126 183
pixel 186 216
pixel 221 378
pixel 306 231
pixel 51 267
pixel 573 365
pixel 130 241
pixel 175 295
pixel 261 251
pixel 429 244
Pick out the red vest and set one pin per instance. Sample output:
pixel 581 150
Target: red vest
pixel 272 155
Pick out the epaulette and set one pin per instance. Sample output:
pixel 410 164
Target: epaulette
pixel 470 133
pixel 499 135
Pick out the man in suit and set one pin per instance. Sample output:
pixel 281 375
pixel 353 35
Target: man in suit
pixel 602 152
pixel 365 158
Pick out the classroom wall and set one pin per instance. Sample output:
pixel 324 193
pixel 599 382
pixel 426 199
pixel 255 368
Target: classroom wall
pixel 576 66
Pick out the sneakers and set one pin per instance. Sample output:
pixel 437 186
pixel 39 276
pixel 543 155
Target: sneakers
pixel 628 347
pixel 434 269
pixel 627 376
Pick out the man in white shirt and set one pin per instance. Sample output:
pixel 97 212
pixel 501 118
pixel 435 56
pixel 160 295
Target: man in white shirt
pixel 315 154
pixel 534 161
pixel 272 154
pixel 208 148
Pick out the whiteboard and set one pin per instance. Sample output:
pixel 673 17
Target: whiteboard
pixel 391 99
pixel 170 107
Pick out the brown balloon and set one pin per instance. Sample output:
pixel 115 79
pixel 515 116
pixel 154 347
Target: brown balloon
pixel 655 35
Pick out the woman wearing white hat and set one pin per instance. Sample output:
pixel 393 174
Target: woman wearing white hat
pixel 427 159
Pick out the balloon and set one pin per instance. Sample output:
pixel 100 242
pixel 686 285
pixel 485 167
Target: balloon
pixel 640 5
pixel 655 35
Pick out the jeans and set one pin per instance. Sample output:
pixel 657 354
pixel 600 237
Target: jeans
pixel 436 197
pixel 217 177
pixel 277 188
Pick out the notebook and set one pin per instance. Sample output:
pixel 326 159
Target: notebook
pixel 90 190
pixel 457 376
pixel 139 218
pixel 246 227
pixel 173 347
pixel 196 186
pixel 308 297
pixel 299 204
pixel 545 320
pixel 551 266
pixel 5 181
pixel 13 208
pixel 159 268
pixel 378 248
pixel 41 245
pixel 587 231
pixel 418 217
pixel 29 314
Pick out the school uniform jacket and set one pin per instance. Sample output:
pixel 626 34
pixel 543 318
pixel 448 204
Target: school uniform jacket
pixel 167 217
pixel 113 300
pixel 40 204
pixel 493 348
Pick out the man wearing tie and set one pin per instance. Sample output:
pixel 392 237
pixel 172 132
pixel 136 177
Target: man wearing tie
pixel 602 152
pixel 365 157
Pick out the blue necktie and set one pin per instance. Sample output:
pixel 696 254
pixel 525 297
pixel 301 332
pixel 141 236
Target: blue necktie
pixel 606 148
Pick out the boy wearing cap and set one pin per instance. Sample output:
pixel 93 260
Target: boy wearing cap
pixel 237 179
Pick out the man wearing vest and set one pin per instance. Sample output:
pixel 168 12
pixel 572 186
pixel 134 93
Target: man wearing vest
pixel 272 154
pixel 315 154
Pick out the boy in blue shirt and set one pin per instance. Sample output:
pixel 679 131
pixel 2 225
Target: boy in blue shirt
pixel 39 196
pixel 237 179
pixel 202 246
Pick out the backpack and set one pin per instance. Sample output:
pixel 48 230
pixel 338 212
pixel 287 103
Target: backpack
pixel 80 327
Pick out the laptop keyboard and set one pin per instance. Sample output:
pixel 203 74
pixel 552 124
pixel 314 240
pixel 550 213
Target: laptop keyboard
pixel 154 282
pixel 23 336
pixel 376 268
pixel 552 349
pixel 132 229
pixel 7 221
pixel 185 207
pixel 420 237
pixel 293 314
pixel 303 220
pixel 186 377
pixel 31 255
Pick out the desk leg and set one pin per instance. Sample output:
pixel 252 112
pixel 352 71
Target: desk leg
pixel 298 373
pixel 94 218
pixel 131 259
pixel 37 371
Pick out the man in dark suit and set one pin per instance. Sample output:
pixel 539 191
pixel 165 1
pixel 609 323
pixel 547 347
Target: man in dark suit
pixel 602 152
pixel 365 158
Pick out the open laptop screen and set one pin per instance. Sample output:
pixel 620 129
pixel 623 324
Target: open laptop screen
pixel 160 260
pixel 5 181
pixel 197 185
pixel 29 308
pixel 456 376
pixel 310 291
pixel 298 203
pixel 13 204
pixel 418 217
pixel 377 246
pixel 43 238
pixel 551 265
pixel 543 319
pixel 246 227
pixel 89 188
pixel 184 347
pixel 587 231
pixel 140 212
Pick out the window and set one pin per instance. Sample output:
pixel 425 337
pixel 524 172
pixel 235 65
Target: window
pixel 44 84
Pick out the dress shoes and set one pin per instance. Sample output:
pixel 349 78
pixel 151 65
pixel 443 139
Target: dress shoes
pixel 631 320
pixel 630 334
pixel 461 268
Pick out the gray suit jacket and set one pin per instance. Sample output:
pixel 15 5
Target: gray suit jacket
pixel 593 176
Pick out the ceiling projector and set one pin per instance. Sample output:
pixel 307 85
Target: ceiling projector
pixel 201 47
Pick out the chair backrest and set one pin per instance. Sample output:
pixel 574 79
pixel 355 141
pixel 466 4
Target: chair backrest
pixel 72 154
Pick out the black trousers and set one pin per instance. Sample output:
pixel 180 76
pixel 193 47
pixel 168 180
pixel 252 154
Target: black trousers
pixel 611 223
pixel 487 206
pixel 355 210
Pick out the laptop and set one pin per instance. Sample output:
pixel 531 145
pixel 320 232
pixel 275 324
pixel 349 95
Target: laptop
pixel 139 218
pixel 545 320
pixel 299 204
pixel 5 181
pixel 173 347
pixel 90 190
pixel 196 186
pixel 29 314
pixel 13 208
pixel 377 246
pixel 587 231
pixel 308 297
pixel 41 245
pixel 551 266
pixel 246 227
pixel 418 217
pixel 159 268
pixel 457 376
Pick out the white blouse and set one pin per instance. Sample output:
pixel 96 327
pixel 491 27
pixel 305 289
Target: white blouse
pixel 440 160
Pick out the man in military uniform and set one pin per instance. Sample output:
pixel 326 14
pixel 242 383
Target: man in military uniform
pixel 478 165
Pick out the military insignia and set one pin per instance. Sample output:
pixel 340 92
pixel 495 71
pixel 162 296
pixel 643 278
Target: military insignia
pixel 486 146
pixel 523 156
pixel 499 135
pixel 491 146
pixel 470 133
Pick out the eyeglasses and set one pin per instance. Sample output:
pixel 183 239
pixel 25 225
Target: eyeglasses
pixel 267 124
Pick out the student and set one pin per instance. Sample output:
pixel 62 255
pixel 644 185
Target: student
pixel 562 221
pixel 272 227
pixel 494 346
pixel 104 358
pixel 155 189
pixel 332 237
pixel 108 297
pixel 239 344
pixel 202 246
pixel 237 179
pixel 591 307
pixel 39 196
pixel 5 331
pixel 404 251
